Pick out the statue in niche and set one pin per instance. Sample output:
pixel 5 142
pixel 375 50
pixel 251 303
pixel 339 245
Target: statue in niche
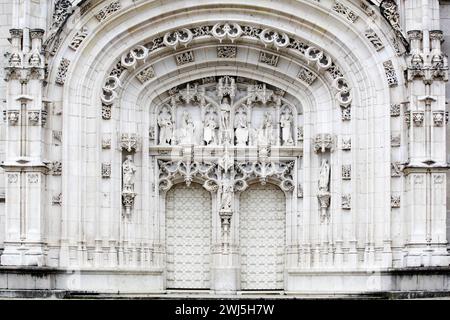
pixel 225 110
pixel 324 177
pixel 227 198
pixel 286 128
pixel 240 123
pixel 128 174
pixel 187 129
pixel 265 132
pixel 209 132
pixel 165 127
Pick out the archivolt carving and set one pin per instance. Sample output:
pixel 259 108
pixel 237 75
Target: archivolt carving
pixel 173 39
pixel 223 31
pixel 226 31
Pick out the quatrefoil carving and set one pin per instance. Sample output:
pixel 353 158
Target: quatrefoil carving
pixel 176 38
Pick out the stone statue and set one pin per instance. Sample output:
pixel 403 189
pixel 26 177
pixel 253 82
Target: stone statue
pixel 265 132
pixel 240 123
pixel 35 59
pixel 286 131
pixel 165 127
pixel 187 129
pixel 209 131
pixel 128 174
pixel 227 198
pixel 324 177
pixel 225 118
pixel 225 109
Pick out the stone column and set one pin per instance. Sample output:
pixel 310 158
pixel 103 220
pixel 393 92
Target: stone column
pixel 425 172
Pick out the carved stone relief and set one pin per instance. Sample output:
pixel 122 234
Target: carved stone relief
pixel 268 58
pixel 374 39
pixel 146 74
pixel 345 11
pixel 62 71
pixel 346 172
pixel 391 75
pixel 395 201
pixel 108 10
pixel 106 170
pixel 78 38
pixel 346 202
pixel 226 52
pixel 185 57
pixel 323 142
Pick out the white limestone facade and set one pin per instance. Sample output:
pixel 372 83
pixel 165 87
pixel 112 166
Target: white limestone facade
pixel 224 146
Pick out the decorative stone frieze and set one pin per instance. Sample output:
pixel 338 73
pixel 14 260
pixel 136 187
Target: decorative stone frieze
pixel 106 112
pixel 78 38
pixel 346 143
pixel 438 118
pixel 395 201
pixel 395 109
pixel 62 71
pixel 56 168
pixel 396 170
pixel 345 11
pixel 57 199
pixel 389 11
pixel 177 38
pixel 346 172
pixel 346 202
pixel 129 142
pixel 146 74
pixel 268 58
pixel 374 39
pixel 11 116
pixel 106 142
pixel 226 31
pixel 226 52
pixel 106 170
pixel 108 10
pixel 323 142
pixel 391 75
pixel 185 57
pixel 418 117
pixel 306 76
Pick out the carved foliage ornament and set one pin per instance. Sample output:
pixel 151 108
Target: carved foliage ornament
pixel 108 10
pixel 209 173
pixel 391 75
pixel 345 11
pixel 389 11
pixel 374 39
